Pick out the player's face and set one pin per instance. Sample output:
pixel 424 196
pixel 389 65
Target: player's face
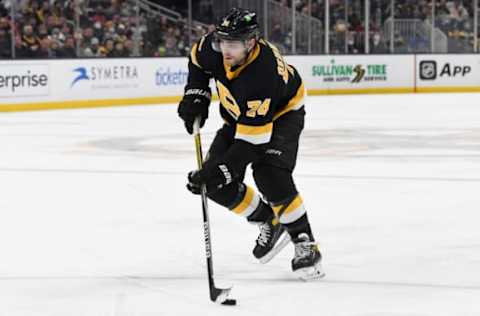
pixel 234 52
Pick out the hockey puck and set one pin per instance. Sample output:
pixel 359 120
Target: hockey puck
pixel 230 302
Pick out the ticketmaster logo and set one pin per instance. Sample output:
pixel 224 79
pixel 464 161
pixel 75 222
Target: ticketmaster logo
pixel 167 77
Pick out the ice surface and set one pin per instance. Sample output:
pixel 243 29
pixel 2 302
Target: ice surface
pixel 96 220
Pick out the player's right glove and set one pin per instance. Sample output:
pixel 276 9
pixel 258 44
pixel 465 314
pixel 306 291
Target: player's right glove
pixel 195 103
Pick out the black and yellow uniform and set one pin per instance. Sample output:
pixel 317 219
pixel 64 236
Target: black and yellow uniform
pixel 262 104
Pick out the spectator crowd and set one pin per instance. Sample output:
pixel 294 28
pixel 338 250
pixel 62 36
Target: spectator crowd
pixel 347 23
pixel 117 28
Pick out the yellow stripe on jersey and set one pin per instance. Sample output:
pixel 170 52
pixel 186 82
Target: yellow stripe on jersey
pixel 254 130
pixel 249 203
pixel 193 56
pixel 254 134
pixel 200 44
pixel 292 212
pixel 295 103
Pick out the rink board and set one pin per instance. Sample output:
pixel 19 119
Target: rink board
pixel 79 83
pixel 448 73
pixel 90 82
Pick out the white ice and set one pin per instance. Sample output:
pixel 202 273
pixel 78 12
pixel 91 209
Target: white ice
pixel 95 218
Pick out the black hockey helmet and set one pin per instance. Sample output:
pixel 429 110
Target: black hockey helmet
pixel 237 24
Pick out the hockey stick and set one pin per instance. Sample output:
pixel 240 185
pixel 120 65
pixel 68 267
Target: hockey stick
pixel 217 295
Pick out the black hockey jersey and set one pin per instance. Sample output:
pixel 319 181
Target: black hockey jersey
pixel 252 95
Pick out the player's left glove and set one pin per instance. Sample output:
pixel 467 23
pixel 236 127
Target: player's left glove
pixel 195 103
pixel 214 176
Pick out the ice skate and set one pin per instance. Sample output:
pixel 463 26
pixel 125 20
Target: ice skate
pixel 307 261
pixel 272 239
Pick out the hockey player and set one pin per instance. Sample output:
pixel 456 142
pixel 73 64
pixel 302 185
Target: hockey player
pixel 262 104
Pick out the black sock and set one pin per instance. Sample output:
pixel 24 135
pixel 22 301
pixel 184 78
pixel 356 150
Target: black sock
pixel 262 214
pixel 301 225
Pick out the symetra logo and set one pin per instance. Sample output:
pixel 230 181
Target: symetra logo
pixel 167 77
pixel 105 77
pixel 81 75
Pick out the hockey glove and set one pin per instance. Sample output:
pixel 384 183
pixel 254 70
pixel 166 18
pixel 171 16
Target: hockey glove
pixel 213 176
pixel 195 103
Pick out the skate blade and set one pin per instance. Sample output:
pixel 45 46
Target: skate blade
pixel 276 249
pixel 311 273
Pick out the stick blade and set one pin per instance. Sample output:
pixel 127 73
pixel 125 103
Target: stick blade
pixel 221 296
